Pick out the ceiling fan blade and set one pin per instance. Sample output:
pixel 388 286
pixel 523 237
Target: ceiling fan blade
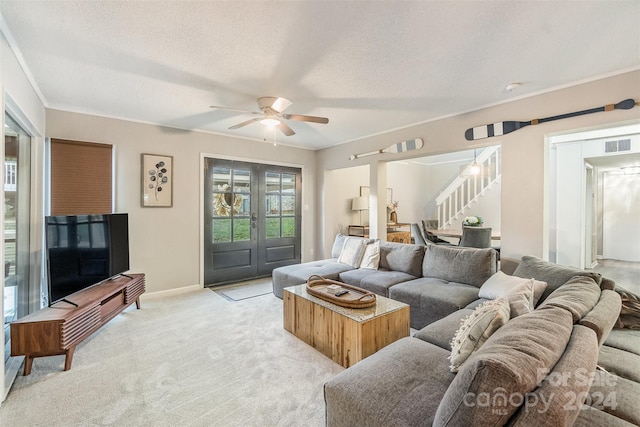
pixel 303 118
pixel 276 104
pixel 248 122
pixel 241 110
pixel 286 129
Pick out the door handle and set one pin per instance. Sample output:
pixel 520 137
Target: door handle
pixel 254 217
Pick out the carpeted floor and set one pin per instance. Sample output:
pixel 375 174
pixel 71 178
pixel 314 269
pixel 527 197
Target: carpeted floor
pixel 194 359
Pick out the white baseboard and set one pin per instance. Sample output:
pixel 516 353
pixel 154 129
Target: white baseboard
pixel 169 292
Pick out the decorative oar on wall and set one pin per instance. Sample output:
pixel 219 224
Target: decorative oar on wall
pixel 503 128
pixel 400 147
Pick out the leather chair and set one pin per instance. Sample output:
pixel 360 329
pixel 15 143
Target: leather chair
pixel 476 237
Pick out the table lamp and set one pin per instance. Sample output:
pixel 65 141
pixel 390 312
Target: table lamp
pixel 360 204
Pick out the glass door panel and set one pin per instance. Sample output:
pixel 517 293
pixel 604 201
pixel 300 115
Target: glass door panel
pixel 17 146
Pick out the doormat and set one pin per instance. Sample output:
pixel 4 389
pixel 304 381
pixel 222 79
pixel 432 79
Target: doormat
pixel 245 291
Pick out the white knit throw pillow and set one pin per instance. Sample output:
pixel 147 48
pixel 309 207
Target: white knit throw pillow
pixel 476 329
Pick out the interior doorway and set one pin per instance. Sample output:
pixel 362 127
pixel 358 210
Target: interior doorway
pixel 620 219
pixel 594 199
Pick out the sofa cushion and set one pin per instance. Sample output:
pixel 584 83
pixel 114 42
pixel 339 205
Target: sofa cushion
pixel 286 276
pixel 522 294
pixel 616 396
pixel 352 251
pixel 378 281
pixel 400 385
pixel 578 295
pixel 476 328
pixel 619 362
pixel 558 398
pixel 462 265
pixel 555 275
pixel 330 270
pixel 624 339
pixel 509 364
pixel 432 299
pixel 604 315
pixel 371 257
pixel 402 257
pixel 442 331
pixel 592 417
pixel 474 304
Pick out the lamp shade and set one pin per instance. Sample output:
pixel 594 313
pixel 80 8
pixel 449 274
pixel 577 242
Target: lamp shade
pixel 360 203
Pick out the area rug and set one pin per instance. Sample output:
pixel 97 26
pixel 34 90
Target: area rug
pixel 246 290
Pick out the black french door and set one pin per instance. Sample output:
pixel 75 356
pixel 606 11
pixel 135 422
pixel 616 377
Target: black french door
pixel 251 219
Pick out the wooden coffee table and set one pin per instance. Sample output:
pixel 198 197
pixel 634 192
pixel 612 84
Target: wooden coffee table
pixel 346 335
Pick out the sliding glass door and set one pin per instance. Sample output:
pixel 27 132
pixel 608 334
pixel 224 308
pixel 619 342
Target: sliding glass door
pixel 17 185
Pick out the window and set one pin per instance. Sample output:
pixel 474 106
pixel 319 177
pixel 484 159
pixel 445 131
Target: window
pixel 80 177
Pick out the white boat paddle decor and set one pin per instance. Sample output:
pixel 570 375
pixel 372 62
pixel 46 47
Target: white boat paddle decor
pixel 400 147
pixel 503 128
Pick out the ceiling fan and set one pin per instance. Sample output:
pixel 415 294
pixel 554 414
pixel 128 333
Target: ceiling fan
pixel 271 109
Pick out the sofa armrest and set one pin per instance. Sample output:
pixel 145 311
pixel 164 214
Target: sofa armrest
pixel 604 315
pixel 401 384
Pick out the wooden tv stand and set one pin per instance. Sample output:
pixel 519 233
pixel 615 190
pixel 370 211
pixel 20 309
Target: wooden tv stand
pixel 58 329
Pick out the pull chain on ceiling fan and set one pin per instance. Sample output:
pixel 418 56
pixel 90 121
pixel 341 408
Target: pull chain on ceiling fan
pixel 271 109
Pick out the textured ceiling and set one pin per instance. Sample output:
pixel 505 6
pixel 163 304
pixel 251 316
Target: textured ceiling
pixel 369 66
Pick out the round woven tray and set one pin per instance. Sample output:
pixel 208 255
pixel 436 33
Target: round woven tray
pixel 355 298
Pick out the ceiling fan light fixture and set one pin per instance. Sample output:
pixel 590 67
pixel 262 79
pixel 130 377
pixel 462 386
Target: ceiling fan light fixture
pixel 270 122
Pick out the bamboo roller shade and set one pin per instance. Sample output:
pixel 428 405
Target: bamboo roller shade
pixel 80 177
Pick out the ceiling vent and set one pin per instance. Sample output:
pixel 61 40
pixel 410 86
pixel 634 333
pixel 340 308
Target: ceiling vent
pixel 619 145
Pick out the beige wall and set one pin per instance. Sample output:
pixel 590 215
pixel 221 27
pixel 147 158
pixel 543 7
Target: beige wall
pixel 344 185
pixel 165 242
pixel 524 162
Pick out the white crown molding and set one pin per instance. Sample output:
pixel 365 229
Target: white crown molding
pixel 11 41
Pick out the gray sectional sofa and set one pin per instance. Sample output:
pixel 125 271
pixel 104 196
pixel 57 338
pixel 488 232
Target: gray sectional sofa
pixel 434 280
pixel 560 364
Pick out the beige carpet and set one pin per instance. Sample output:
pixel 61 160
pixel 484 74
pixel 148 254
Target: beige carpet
pixel 195 359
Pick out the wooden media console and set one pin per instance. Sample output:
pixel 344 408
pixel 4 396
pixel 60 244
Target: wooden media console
pixel 58 329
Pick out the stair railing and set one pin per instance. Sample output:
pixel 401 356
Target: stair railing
pixel 467 188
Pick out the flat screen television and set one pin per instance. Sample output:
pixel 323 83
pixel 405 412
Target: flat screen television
pixel 84 250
